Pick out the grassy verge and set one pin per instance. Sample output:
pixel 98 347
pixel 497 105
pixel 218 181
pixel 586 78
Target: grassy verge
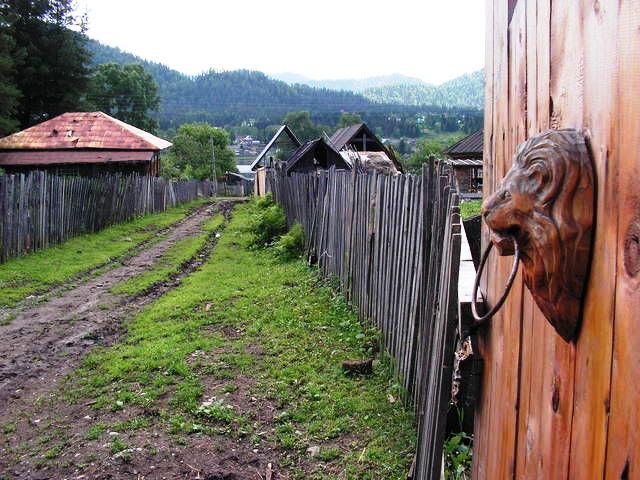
pixel 171 260
pixel 470 208
pixel 247 326
pixel 39 271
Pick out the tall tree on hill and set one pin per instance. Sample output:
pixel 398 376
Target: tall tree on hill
pixel 51 60
pixel 300 123
pixel 347 119
pixel 8 91
pixel 127 92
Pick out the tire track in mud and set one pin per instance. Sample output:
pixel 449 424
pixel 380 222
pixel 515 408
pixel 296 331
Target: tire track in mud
pixel 44 342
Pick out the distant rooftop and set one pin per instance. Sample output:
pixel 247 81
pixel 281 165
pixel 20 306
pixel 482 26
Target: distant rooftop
pixel 469 147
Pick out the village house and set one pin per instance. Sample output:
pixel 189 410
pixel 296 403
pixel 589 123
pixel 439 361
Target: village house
pixel 359 143
pixel 315 155
pixel 465 157
pixel 82 143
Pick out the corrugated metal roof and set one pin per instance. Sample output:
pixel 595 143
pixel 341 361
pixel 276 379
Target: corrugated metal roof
pixel 469 147
pixel 465 162
pixel 83 130
pixel 52 157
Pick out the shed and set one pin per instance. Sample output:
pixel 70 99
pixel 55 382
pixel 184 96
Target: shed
pixel 82 143
pixel 466 158
pixel 314 155
pixel 360 138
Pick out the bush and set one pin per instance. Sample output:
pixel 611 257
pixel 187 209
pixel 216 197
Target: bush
pixel 267 224
pixel 263 202
pixel 291 245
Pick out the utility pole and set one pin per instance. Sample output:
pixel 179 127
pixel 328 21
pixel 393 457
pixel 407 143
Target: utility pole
pixel 213 166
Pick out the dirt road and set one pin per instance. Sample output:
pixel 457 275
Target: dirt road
pixel 44 342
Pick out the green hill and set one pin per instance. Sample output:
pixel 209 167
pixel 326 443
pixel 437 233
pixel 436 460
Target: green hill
pixel 466 91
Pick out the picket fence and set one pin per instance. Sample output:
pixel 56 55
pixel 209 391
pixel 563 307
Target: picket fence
pixel 38 210
pixel 394 244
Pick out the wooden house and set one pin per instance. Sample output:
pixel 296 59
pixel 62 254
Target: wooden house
pixel 82 143
pixel 371 152
pixel 466 158
pixel 315 155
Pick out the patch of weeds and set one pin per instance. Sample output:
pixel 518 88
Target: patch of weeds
pixel 217 411
pixel 96 431
pixel 55 451
pixel 291 245
pixel 117 445
pixel 9 427
pixel 268 223
pixel 329 454
pixel 131 424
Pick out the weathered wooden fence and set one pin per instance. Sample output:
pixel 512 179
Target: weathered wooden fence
pixel 38 209
pixel 394 244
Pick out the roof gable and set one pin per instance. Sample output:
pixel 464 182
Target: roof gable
pixel 313 145
pixel 83 130
pixel 283 130
pixel 470 146
pixel 344 136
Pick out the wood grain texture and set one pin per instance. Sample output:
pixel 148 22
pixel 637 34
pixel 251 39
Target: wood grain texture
pixel 623 450
pixel 576 405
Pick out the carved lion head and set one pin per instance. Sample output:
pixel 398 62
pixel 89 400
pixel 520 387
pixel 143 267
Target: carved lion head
pixel 546 202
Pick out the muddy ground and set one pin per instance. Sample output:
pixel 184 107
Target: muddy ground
pixel 44 342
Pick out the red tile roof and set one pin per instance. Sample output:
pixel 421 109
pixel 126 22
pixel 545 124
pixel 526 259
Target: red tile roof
pixel 83 130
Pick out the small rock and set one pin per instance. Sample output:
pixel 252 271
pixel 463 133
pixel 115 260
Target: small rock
pixel 313 451
pixel 113 434
pixel 87 417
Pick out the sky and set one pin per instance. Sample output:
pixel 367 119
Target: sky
pixel 435 40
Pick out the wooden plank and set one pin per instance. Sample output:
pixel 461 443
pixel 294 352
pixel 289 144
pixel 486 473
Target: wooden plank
pixel 623 450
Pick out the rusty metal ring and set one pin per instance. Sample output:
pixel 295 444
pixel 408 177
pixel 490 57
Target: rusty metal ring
pixel 512 276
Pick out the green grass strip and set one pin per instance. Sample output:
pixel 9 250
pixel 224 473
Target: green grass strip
pixel 169 263
pixel 176 349
pixel 39 271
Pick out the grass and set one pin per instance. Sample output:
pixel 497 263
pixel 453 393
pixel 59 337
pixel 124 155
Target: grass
pixel 470 208
pixel 39 271
pixel 291 334
pixel 169 263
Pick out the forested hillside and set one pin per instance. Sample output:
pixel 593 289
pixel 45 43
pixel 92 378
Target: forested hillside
pixel 357 85
pixel 242 96
pixel 464 91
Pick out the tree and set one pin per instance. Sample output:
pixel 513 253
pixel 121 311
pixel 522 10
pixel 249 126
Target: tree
pixel 9 93
pixel 300 123
pixel 191 156
pixel 51 58
pixel 425 151
pixel 347 119
pixel 127 92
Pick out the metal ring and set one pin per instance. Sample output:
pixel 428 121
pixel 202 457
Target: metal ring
pixel 514 270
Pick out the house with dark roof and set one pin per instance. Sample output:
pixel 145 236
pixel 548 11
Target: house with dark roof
pixel 82 143
pixel 315 155
pixel 360 139
pixel 465 157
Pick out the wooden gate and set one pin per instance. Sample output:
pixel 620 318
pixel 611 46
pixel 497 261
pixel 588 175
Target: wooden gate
pixel 551 409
